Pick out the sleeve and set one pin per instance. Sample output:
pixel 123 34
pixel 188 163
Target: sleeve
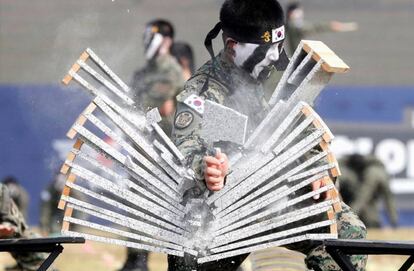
pixel 389 201
pixel 187 124
pixel 370 180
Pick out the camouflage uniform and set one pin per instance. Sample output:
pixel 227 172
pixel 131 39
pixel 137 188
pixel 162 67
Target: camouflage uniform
pixel 363 186
pixel 11 216
pixel 234 88
pixel 156 83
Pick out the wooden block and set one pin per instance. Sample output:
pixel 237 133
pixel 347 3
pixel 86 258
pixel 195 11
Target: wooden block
pixel 324 145
pixel 331 62
pixel 78 144
pixel 64 169
pixel 331 216
pixel 335 171
pixel 71 133
pixel 75 67
pixel 81 119
pixel 66 224
pixel 318 122
pixel 66 190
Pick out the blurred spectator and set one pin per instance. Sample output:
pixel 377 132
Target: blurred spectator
pixel 183 52
pixel 18 193
pixel 363 184
pixel 13 225
pixel 50 215
pixel 298 29
pixel 160 80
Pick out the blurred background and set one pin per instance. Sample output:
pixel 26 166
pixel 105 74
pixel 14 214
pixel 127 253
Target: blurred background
pixel 370 109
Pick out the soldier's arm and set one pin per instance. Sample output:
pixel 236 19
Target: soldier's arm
pixel 389 202
pixel 187 126
pixel 370 181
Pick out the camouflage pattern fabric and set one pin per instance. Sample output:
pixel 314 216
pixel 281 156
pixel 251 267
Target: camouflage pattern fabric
pixel 222 82
pixel 11 216
pixel 159 81
pixel 364 186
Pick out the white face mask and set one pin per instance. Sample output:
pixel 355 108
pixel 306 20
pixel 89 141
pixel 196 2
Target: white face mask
pixel 248 53
pixel 153 46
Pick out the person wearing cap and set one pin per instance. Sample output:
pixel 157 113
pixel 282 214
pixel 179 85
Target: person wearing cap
pixel 157 84
pixel 13 225
pixel 253 35
pixel 298 29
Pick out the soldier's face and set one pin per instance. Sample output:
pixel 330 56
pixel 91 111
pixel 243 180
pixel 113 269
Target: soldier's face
pixel 256 59
pixel 152 42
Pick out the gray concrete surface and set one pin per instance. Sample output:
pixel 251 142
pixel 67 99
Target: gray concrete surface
pixel 40 39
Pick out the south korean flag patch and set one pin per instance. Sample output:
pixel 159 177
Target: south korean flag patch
pixel 278 34
pixel 196 103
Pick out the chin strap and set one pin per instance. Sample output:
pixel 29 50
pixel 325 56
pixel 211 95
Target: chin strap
pixel 208 42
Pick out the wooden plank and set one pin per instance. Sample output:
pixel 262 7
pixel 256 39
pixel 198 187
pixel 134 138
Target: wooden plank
pixel 66 190
pixel 66 224
pixel 332 63
pixel 75 67
pixel 81 120
pixel 334 227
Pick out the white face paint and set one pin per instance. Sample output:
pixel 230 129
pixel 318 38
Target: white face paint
pixel 272 55
pixel 154 45
pixel 243 51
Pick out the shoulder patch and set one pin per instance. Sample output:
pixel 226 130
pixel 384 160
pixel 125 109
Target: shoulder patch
pixel 196 103
pixel 183 120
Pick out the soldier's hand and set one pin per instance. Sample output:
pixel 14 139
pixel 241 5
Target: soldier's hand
pixel 215 171
pixel 319 184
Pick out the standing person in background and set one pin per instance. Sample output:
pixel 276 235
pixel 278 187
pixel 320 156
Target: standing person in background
pixel 50 215
pixel 157 84
pixel 183 52
pixel 18 193
pixel 363 184
pixel 13 225
pixel 298 29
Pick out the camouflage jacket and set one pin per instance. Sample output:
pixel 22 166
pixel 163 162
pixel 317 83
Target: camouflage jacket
pixel 160 80
pixel 222 82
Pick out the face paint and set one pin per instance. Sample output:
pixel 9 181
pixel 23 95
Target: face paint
pixel 152 41
pixel 255 58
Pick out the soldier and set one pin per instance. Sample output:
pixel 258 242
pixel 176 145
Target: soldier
pixel 363 183
pixel 13 225
pixel 50 215
pixel 18 193
pixel 157 84
pixel 298 29
pixel 253 34
pixel 183 52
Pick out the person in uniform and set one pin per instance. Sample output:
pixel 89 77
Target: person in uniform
pixel 18 193
pixel 157 84
pixel 183 52
pixel 298 29
pixel 363 184
pixel 13 225
pixel 253 35
pixel 50 216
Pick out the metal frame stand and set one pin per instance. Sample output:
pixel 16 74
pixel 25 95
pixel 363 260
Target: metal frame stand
pixel 50 245
pixel 340 249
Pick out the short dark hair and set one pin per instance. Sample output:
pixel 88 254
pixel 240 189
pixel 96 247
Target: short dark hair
pixel 183 50
pixel 292 6
pixel 165 27
pixel 10 180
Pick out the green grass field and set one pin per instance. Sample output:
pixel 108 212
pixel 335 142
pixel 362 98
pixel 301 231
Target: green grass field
pixel 100 257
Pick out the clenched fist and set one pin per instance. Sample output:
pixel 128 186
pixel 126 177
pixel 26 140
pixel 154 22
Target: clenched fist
pixel 215 171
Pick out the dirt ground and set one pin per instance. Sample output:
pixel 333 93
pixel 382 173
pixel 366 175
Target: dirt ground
pixel 97 256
